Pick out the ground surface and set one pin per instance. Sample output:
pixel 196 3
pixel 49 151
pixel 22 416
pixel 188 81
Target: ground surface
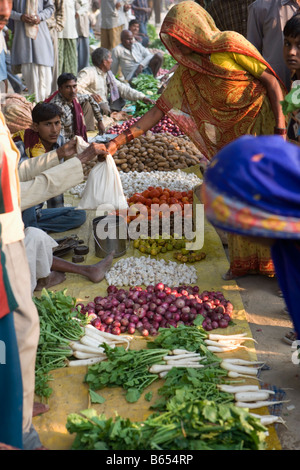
pixel 268 325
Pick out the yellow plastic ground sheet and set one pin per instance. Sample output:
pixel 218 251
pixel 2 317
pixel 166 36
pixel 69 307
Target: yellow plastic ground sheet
pixel 70 393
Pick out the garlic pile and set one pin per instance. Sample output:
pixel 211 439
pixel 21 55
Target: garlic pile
pixel 136 182
pixel 146 270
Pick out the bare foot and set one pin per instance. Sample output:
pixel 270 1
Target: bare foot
pixel 53 279
pixel 96 272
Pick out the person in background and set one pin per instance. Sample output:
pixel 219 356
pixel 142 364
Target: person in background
pixel 142 12
pixel 101 84
pixel 67 98
pixel 67 41
pixel 291 54
pixel 266 20
pixel 56 24
pixel 133 58
pixel 240 196
pixel 134 27
pixel 230 15
pixel 44 136
pixel 222 89
pixel 32 47
pixel 112 22
pixel 83 29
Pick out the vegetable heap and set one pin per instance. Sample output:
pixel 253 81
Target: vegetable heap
pixel 57 328
pixel 191 425
pixel 155 307
pixel 164 125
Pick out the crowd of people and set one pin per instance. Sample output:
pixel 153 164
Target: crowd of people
pixel 227 84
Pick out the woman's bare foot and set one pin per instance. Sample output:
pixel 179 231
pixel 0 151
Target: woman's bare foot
pixel 53 279
pixel 96 272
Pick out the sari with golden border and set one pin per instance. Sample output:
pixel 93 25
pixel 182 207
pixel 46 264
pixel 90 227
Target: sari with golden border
pixel 214 105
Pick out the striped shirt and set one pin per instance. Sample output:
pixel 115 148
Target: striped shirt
pixel 230 15
pixel 141 16
pixel 67 119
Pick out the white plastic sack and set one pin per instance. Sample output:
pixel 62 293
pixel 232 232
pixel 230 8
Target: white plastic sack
pixel 103 188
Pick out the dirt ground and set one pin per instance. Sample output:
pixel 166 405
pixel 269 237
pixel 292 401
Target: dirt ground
pixel 268 325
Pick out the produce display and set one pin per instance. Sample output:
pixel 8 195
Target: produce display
pixel 154 246
pixel 144 270
pixel 162 152
pixel 137 182
pixel 164 125
pixel 158 306
pixel 191 425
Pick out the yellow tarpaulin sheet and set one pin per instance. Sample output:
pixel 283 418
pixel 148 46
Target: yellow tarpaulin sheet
pixel 70 394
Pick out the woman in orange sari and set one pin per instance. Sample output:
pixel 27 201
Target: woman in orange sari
pixel 221 90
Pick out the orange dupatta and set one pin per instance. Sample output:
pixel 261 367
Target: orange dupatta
pixel 211 104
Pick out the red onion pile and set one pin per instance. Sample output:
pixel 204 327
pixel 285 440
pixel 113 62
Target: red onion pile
pixel 164 125
pixel 159 306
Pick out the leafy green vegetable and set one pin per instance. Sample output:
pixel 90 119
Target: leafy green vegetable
pixel 148 85
pixel 192 425
pixel 126 369
pixel 95 397
pixel 57 328
pixel 291 101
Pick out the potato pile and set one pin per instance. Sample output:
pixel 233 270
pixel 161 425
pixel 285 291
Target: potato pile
pixel 163 152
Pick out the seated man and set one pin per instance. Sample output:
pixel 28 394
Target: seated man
pixel 44 137
pixel 72 121
pixel 99 81
pixel 43 177
pixel 134 27
pixel 133 58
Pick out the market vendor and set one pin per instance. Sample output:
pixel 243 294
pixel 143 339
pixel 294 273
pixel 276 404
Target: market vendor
pixel 133 58
pixel 222 89
pixel 43 136
pixel 71 102
pixel 99 82
pixel 45 176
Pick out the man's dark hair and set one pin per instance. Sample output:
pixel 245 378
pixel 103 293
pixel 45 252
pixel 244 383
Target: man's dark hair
pixel 65 77
pixel 132 22
pixel 292 27
pixel 99 55
pixel 45 111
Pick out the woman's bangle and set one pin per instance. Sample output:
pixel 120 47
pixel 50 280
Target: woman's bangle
pixel 280 130
pixel 129 136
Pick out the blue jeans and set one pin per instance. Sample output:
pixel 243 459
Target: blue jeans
pixel 11 389
pixel 58 219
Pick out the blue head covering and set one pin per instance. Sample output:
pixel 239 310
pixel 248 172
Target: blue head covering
pixel 252 187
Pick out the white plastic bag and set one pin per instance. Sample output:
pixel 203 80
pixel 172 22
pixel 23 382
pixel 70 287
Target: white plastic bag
pixel 103 188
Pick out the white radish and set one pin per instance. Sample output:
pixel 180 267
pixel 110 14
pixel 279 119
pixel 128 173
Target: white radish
pixel 242 362
pixel 77 346
pixel 267 420
pixel 235 375
pixel 252 396
pixel 258 404
pixel 163 374
pixel 238 388
pixel 240 369
pixel 86 362
pixel 84 355
pixel 89 341
pixel 182 356
pixel 241 336
pixel 157 368
pixel 108 336
pixel 181 351
pixel 221 349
